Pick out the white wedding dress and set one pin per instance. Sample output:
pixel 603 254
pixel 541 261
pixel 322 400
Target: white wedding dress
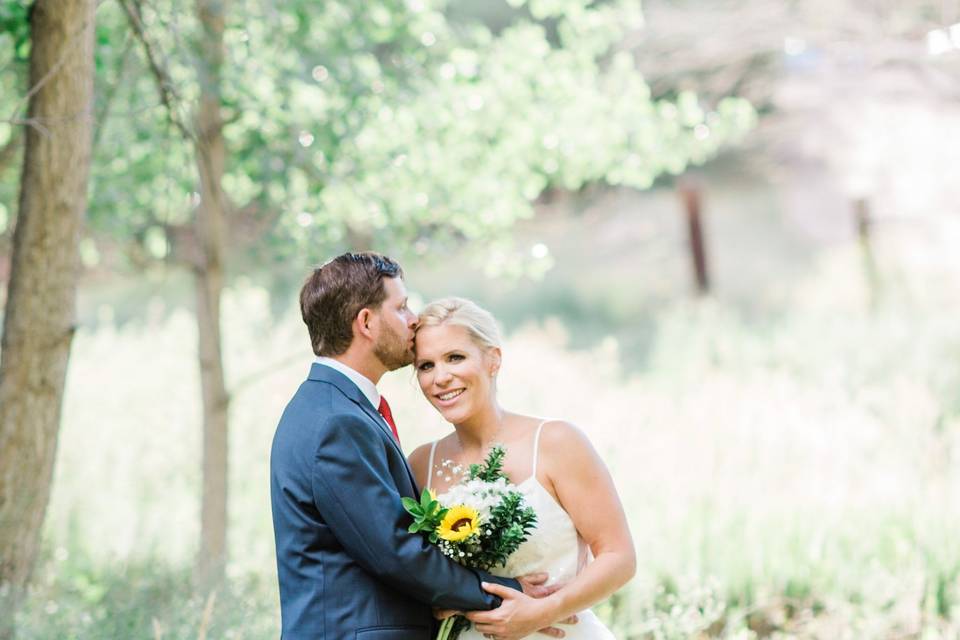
pixel 554 547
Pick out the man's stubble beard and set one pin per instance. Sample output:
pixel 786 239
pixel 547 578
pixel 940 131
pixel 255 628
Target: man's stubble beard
pixel 392 350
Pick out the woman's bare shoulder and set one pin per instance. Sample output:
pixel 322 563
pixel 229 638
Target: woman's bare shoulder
pixel 560 431
pixel 564 441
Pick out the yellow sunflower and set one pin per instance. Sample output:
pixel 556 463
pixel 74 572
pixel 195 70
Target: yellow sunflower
pixel 460 523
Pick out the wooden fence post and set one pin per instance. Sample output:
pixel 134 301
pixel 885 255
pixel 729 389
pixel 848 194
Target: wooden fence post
pixel 691 196
pixel 864 223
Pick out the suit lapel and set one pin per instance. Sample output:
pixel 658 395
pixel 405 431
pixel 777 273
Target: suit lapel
pixel 348 388
pixel 376 417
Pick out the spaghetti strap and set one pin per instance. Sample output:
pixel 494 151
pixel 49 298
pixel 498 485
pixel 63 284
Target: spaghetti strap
pixel 536 447
pixel 433 450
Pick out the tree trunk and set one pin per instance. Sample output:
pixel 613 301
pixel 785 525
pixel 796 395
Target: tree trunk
pixel 210 223
pixel 359 239
pixel 41 302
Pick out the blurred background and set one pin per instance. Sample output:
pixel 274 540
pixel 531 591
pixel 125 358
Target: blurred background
pixel 721 236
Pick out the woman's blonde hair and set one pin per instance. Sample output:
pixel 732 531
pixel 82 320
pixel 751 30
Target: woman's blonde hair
pixel 461 312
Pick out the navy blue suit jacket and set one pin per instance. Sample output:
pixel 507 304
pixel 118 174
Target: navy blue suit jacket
pixel 347 565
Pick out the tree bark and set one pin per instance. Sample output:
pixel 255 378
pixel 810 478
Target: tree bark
pixel 41 301
pixel 210 223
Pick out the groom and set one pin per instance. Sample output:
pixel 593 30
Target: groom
pixel 348 567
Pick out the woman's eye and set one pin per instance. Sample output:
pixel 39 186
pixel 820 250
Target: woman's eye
pixel 455 357
pixel 425 366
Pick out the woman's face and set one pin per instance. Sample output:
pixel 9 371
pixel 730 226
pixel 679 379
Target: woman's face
pixel 456 375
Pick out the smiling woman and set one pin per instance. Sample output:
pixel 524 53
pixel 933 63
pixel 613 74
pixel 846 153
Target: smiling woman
pixel 457 357
pixel 455 375
pixel 582 541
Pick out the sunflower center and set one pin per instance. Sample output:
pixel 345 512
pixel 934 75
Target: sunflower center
pixel 460 524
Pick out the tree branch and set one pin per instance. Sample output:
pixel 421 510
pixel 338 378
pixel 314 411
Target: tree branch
pixel 36 123
pixel 111 93
pixel 168 93
pixel 254 377
pixel 748 38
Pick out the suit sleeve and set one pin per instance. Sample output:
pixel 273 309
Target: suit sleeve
pixel 359 500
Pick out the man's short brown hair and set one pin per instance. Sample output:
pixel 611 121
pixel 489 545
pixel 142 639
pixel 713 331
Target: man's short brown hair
pixel 335 293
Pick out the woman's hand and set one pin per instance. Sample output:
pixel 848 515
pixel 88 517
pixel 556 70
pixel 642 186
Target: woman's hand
pixel 518 615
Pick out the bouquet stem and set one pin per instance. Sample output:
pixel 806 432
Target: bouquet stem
pixel 445 628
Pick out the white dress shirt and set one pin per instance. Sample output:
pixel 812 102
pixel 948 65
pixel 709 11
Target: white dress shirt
pixel 363 383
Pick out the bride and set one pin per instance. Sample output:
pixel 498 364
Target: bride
pixel 581 540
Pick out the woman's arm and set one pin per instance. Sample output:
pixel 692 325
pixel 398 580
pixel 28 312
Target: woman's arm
pixel 585 490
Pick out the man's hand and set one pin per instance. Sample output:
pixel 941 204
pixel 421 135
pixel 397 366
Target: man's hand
pixel 520 614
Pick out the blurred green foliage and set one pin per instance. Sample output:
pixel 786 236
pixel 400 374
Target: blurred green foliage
pixel 391 125
pixel 15 29
pixel 14 52
pixel 74 598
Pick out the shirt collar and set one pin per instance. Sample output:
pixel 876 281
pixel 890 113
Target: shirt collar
pixel 363 383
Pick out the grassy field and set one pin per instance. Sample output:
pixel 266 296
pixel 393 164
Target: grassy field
pixel 788 475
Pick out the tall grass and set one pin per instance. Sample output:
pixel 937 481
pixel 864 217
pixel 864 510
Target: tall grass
pixel 790 477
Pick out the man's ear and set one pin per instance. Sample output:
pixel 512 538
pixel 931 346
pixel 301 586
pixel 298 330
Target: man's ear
pixel 363 323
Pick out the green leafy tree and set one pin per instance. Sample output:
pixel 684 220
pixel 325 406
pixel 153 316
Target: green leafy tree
pixel 394 126
pixel 461 149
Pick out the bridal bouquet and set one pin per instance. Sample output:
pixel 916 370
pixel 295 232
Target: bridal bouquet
pixel 482 520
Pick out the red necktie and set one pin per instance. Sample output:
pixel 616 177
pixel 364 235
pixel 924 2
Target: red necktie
pixel 384 410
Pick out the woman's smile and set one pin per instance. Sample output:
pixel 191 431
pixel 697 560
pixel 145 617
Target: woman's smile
pixel 449 397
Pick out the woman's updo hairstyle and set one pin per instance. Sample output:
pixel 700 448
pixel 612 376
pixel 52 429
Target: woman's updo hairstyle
pixel 461 312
